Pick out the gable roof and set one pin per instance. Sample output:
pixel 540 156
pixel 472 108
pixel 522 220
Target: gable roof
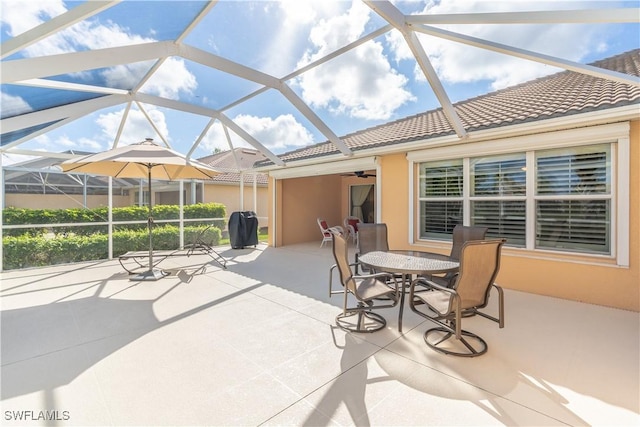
pixel 238 159
pixel 562 94
pixel 232 161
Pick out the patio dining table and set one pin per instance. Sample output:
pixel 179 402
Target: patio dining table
pixel 408 263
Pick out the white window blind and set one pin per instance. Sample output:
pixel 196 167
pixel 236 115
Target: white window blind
pixel 571 202
pixel 441 190
pixel 498 196
pixel 573 199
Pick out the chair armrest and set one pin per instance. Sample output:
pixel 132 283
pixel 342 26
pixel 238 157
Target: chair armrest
pixel 429 284
pixel 337 229
pixel 379 276
pixel 373 275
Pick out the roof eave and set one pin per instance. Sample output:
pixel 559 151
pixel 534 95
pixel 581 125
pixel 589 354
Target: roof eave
pixel 609 115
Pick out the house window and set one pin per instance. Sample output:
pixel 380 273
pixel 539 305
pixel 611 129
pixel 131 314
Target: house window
pixel 498 196
pixel 569 191
pixel 441 198
pixel 573 199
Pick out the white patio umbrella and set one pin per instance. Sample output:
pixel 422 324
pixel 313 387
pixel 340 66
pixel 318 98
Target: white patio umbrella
pixel 145 159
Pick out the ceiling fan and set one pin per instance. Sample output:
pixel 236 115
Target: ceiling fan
pixel 359 174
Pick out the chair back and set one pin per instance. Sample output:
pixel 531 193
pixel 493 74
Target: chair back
pixel 479 266
pixel 341 256
pixel 352 221
pixel 463 234
pixel 372 237
pixel 323 226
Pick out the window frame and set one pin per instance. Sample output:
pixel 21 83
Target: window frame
pixel 617 135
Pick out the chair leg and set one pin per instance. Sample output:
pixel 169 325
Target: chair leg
pixel 443 340
pixel 360 320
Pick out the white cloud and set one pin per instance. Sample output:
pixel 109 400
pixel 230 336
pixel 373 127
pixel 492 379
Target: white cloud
pixel 13 105
pixel 136 128
pixel 360 83
pixel 297 13
pixel 84 144
pixel 458 63
pixel 279 134
pixel 20 16
pixel 172 78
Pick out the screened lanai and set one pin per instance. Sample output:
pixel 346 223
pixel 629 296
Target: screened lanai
pixel 328 92
pixel 279 76
pixel 190 62
pixel 40 176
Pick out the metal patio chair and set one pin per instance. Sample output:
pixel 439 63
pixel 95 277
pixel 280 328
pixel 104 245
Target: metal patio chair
pixel 479 266
pixel 368 290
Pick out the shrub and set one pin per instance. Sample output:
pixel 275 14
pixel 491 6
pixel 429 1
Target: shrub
pixel 19 216
pixel 37 251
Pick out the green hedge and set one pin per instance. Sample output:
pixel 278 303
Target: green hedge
pixel 38 251
pixel 18 216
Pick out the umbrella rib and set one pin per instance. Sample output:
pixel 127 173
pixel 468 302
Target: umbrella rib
pixel 124 165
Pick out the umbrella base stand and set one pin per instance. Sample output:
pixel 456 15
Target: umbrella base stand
pixel 155 274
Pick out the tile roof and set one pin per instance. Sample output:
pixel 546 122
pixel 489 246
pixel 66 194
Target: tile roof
pixel 560 94
pixel 226 161
pixel 234 178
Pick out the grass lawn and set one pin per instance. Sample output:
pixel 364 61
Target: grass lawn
pixel 262 238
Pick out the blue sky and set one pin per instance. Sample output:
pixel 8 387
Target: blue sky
pixel 376 83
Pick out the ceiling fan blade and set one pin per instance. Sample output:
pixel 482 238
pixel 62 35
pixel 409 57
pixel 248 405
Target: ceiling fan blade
pixel 359 174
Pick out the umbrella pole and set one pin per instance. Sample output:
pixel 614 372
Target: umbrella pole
pixel 150 274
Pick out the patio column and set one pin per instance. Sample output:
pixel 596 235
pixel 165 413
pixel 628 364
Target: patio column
pixel 181 215
pixel 192 192
pixel 109 216
pixel 255 193
pixel 84 191
pixel 241 191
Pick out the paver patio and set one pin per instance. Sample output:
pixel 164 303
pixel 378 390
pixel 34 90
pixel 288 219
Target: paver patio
pixel 256 345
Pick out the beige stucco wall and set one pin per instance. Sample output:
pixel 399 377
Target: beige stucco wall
pixel 229 195
pixel 578 278
pixel 307 199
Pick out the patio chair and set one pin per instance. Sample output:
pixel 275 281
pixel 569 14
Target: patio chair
pixel 479 266
pixel 367 290
pixel 371 237
pixel 133 261
pixel 327 231
pixel 351 225
pixel 461 235
pixel 200 244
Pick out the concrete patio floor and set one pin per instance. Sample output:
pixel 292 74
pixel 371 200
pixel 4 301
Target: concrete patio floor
pixel 256 345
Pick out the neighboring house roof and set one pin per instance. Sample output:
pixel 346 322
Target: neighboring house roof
pixel 560 94
pixel 232 161
pixel 30 176
pixel 47 162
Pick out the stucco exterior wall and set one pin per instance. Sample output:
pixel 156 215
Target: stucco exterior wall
pixel 307 199
pixel 229 195
pixel 574 277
